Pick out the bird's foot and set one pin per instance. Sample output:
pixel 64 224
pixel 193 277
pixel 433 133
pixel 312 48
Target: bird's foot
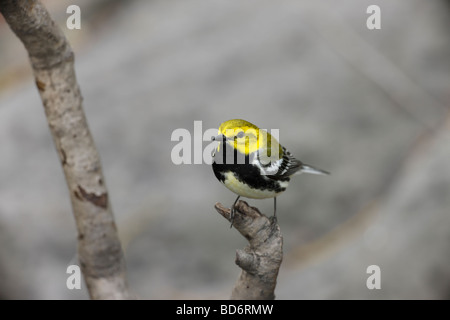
pixel 232 215
pixel 273 220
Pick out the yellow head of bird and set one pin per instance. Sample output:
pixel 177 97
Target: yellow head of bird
pixel 248 138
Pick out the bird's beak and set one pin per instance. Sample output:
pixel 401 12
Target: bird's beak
pixel 219 138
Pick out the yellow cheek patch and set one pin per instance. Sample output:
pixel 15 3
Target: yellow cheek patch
pixel 244 139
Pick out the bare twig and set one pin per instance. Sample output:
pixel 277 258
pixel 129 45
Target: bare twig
pixel 261 259
pixel 99 249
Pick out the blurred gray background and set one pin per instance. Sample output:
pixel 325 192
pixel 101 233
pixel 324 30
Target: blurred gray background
pixel 371 106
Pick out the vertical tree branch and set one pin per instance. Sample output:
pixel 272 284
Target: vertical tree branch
pixel 99 249
pixel 261 259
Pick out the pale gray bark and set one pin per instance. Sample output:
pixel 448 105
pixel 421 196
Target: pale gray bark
pixel 99 249
pixel 260 261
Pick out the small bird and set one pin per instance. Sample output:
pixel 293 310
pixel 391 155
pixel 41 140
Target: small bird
pixel 251 163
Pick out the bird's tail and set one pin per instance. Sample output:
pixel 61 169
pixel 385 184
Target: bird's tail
pixel 310 169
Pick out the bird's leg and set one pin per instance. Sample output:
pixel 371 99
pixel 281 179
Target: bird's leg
pixel 273 220
pixel 233 210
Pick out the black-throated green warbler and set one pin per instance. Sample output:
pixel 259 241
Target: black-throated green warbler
pixel 251 163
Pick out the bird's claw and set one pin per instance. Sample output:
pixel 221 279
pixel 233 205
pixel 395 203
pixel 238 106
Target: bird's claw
pixel 273 220
pixel 232 215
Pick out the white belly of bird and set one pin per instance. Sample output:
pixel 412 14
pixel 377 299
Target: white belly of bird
pixel 244 190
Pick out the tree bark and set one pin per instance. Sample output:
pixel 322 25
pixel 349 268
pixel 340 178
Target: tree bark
pixel 99 249
pixel 260 261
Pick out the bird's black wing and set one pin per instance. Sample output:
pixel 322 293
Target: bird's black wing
pixel 283 167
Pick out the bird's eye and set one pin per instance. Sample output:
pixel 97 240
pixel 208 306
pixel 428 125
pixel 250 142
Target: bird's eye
pixel 240 134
